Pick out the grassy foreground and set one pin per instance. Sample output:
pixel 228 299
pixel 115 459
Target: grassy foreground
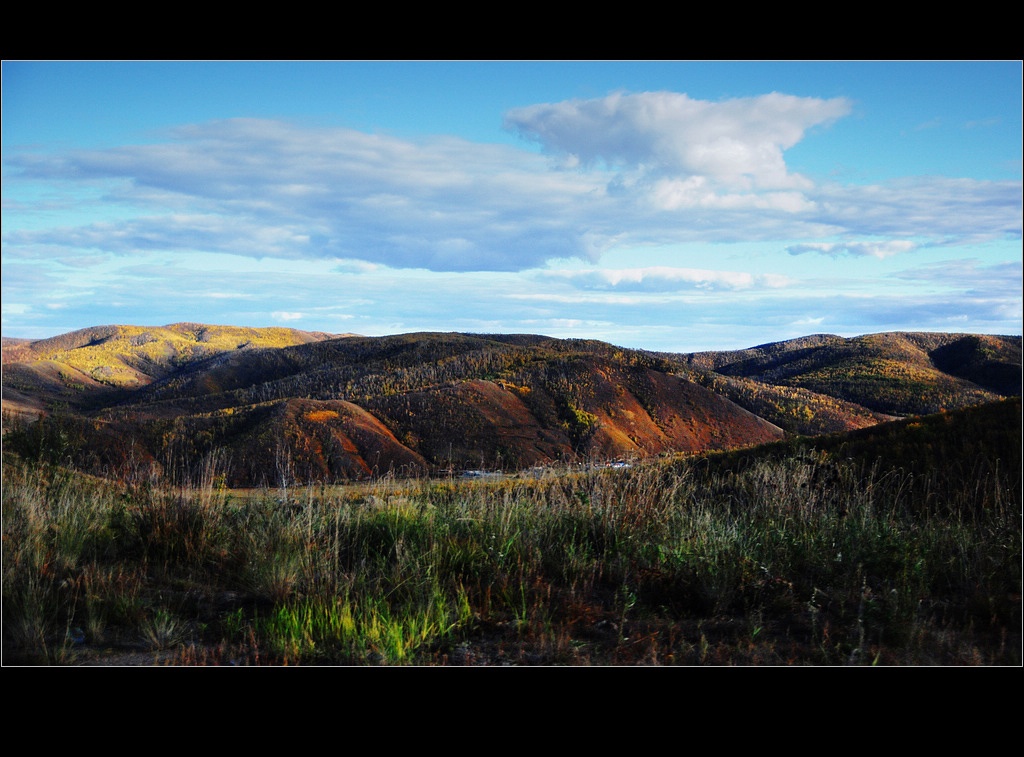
pixel 807 560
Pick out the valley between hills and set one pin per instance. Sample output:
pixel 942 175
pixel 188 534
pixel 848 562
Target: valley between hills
pixel 254 407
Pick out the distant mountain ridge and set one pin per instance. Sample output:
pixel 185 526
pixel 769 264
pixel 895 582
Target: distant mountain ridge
pixel 269 405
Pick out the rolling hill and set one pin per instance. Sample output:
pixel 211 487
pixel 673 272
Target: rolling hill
pixel 893 373
pixel 93 366
pixel 267 406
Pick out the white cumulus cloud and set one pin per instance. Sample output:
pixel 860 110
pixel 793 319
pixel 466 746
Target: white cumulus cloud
pixel 736 143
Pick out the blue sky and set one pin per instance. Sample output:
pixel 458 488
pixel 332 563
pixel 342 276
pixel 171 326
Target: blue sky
pixel 664 205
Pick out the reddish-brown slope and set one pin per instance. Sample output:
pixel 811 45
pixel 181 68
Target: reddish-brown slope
pixel 303 441
pixel 605 413
pixel 646 412
pixel 472 424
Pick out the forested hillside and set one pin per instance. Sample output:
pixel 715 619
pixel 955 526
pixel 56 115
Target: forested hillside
pixel 894 373
pixel 95 366
pixel 266 406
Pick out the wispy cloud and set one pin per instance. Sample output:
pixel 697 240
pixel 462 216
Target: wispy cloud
pixel 666 278
pixel 973 278
pixel 935 208
pixel 883 249
pixel 933 123
pixel 983 123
